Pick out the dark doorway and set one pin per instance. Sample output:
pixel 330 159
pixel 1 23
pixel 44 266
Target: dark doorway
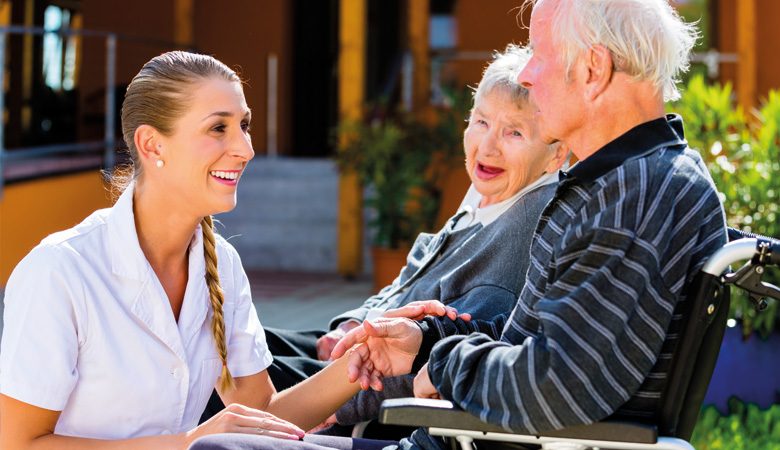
pixel 315 67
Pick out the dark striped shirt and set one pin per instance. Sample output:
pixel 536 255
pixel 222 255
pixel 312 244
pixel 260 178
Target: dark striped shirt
pixel 593 329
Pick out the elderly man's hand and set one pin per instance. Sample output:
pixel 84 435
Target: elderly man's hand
pixel 423 388
pixel 383 347
pixel 421 308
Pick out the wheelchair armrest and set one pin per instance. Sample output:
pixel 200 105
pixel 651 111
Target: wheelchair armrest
pixel 418 412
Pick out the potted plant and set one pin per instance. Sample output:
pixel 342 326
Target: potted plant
pixel 401 160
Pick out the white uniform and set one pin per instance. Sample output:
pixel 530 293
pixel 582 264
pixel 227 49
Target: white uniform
pixel 89 331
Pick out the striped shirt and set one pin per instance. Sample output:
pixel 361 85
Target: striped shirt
pixel 592 332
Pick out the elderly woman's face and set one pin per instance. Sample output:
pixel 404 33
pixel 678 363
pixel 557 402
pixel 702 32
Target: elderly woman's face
pixel 504 152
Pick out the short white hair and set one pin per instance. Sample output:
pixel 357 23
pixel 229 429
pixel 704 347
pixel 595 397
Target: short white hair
pixel 502 73
pixel 646 39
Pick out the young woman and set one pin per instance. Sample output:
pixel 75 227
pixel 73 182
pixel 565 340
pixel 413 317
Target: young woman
pixel 117 330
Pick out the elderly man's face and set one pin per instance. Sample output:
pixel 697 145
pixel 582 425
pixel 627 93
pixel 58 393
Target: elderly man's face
pixel 503 150
pixel 545 77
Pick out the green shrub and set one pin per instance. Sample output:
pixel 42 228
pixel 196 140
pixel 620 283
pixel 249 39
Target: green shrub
pixel 740 152
pixel 746 428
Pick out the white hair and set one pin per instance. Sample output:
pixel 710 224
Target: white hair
pixel 502 73
pixel 646 39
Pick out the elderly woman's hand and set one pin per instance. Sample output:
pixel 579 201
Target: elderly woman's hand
pixel 419 309
pixel 328 341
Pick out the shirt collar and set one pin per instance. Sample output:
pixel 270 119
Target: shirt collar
pixel 472 213
pixel 637 142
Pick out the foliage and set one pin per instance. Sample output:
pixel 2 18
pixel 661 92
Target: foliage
pixel 746 428
pixel 403 159
pixel 739 150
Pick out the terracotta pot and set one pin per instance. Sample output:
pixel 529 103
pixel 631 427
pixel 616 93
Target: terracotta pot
pixel 388 263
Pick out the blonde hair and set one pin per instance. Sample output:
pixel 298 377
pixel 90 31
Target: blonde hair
pixel 157 96
pixel 647 39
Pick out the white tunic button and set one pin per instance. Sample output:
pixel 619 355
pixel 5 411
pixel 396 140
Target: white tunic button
pixel 178 374
pixel 166 432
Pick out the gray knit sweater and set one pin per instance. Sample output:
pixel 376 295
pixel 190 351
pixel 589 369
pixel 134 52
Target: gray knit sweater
pixel 478 270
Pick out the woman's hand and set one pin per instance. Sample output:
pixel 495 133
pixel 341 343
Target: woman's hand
pixel 241 419
pixel 419 309
pixel 423 388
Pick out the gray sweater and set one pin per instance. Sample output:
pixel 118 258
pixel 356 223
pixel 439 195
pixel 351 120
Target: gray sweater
pixel 478 270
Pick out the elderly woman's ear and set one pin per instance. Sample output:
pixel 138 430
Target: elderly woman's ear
pixel 560 154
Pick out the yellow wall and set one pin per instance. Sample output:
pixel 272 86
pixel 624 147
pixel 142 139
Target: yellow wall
pixel 30 211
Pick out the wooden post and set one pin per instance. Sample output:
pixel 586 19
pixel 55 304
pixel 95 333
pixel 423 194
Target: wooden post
pixel 417 29
pixel 351 88
pixel 183 16
pixel 747 63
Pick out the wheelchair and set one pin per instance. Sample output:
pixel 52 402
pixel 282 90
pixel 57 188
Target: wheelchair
pixel 692 365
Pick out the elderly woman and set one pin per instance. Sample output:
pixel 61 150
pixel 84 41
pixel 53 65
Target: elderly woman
pixel 477 263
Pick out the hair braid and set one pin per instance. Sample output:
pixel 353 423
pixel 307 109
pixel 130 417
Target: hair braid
pixel 217 299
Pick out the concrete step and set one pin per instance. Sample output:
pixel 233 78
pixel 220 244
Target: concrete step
pixel 286 215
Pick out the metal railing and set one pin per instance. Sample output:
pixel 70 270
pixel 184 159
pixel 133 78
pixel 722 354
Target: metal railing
pixel 109 140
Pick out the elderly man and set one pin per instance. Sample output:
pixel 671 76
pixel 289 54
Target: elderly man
pixel 627 229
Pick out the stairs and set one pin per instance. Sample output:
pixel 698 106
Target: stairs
pixel 286 215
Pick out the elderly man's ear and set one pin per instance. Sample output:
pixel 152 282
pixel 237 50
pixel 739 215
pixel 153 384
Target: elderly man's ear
pixel 599 70
pixel 560 156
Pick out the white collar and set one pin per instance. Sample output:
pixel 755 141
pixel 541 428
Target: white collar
pixel 488 214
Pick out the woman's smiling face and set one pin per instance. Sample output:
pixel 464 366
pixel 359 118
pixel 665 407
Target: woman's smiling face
pixel 209 148
pixel 504 152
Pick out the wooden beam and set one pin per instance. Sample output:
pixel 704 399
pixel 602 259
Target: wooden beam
pixel 183 23
pixel 351 88
pixel 417 29
pixel 747 63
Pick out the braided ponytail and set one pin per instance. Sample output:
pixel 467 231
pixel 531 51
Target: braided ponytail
pixel 217 299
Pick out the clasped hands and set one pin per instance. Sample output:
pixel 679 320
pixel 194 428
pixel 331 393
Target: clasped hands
pixel 387 346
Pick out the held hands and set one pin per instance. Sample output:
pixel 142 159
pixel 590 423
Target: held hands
pixel 242 419
pixel 423 388
pixel 327 342
pixel 421 308
pixel 383 347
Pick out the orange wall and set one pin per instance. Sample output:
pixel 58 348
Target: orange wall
pixel 485 26
pixel 767 43
pixel 240 33
pixel 32 210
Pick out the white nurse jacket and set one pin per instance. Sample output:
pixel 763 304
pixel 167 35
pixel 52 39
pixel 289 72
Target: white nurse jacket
pixel 88 330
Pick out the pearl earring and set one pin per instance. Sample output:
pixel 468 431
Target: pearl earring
pixel 160 163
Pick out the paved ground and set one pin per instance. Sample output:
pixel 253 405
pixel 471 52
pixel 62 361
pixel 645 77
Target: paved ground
pixel 304 300
pixel 300 301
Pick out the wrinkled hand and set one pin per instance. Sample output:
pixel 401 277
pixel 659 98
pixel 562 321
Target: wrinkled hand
pixel 328 422
pixel 423 388
pixel 421 308
pixel 327 342
pixel 241 419
pixel 382 347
